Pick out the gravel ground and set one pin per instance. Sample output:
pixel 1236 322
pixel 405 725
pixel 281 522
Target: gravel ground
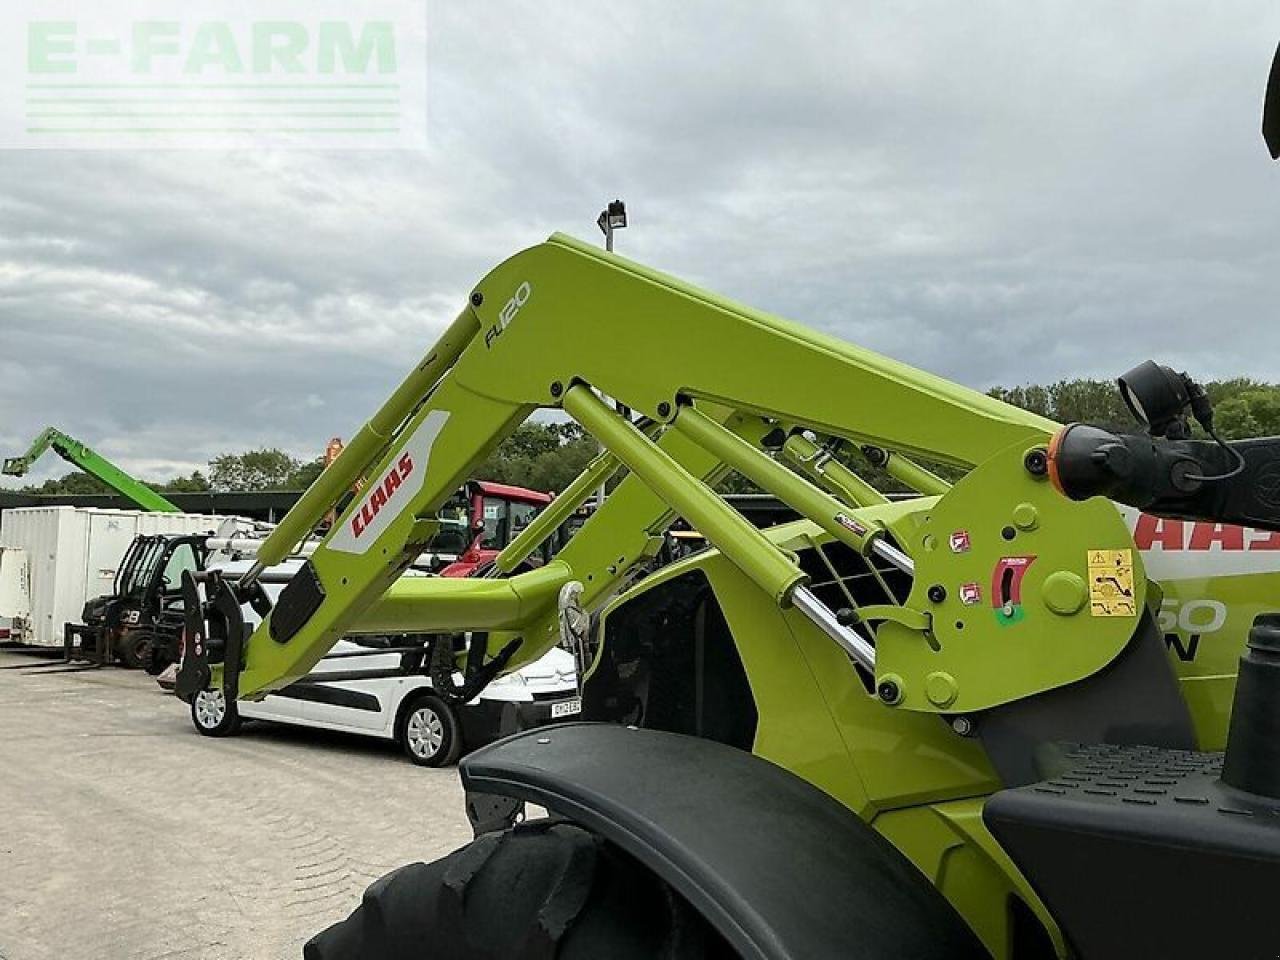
pixel 127 835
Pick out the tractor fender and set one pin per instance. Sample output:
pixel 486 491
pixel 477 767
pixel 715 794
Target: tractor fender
pixel 781 869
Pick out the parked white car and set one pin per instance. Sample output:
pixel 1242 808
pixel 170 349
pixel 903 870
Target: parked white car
pixel 400 706
pixel 405 708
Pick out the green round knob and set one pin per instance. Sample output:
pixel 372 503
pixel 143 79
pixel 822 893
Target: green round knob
pixel 1064 592
pixel 1025 517
pixel 941 689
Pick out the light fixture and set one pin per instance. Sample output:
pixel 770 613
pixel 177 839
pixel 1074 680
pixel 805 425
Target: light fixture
pixel 1156 396
pixel 613 217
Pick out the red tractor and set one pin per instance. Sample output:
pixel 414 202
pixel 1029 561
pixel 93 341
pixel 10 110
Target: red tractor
pixel 493 514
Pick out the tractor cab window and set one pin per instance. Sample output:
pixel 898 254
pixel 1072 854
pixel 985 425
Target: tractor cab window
pixel 454 510
pixel 454 533
pixel 497 523
pixel 182 558
pixel 144 568
pixel 522 515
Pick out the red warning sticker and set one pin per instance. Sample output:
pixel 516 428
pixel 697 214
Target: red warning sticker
pixel 1006 588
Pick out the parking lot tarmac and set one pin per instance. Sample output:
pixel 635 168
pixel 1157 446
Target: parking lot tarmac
pixel 124 834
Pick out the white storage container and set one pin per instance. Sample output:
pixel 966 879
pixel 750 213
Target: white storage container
pixel 71 556
pixel 15 589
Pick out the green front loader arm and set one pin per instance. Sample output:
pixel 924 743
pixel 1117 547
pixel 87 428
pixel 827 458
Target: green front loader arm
pixel 1010 589
pixel 79 455
pixel 551 327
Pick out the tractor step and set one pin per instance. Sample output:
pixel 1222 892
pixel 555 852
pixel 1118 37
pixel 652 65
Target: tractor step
pixel 1128 843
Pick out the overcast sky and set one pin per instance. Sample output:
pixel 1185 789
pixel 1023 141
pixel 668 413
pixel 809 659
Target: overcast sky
pixel 1000 193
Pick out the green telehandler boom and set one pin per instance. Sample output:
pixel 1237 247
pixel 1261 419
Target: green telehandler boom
pixel 987 721
pixel 97 466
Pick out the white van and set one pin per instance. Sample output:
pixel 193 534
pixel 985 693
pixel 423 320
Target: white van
pixel 404 708
pixel 402 705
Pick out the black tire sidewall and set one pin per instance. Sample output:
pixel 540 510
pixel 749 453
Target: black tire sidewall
pixel 450 747
pixel 156 662
pixel 132 648
pixel 503 886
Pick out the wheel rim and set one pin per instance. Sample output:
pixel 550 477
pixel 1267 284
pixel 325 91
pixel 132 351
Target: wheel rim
pixel 211 708
pixel 425 733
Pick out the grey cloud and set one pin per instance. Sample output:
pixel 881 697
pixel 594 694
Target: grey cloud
pixel 996 192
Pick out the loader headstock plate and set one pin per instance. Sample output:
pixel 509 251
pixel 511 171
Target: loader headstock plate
pixel 1026 592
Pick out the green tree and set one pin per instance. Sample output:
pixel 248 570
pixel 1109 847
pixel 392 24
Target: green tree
pixel 1234 419
pixel 1253 412
pixel 541 456
pixel 1030 397
pixel 75 483
pixel 547 456
pixel 1067 401
pixel 1089 401
pixel 305 474
pixel 1243 407
pixel 1220 390
pixel 265 469
pixel 197 482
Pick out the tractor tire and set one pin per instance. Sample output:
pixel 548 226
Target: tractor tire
pixel 543 889
pixel 154 660
pixel 133 649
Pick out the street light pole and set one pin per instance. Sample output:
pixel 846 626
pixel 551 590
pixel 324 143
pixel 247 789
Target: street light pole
pixel 613 217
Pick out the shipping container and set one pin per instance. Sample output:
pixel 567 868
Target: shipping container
pixel 15 589
pixel 54 559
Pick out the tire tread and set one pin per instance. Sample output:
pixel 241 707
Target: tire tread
pixel 543 890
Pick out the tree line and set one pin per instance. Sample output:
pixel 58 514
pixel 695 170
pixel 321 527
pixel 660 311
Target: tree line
pixel 541 456
pixel 1242 407
pixel 547 456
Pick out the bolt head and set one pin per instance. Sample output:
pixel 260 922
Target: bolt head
pixel 1026 517
pixel 477 298
pixel 1037 462
pixel 937 593
pixel 941 689
pixel 889 692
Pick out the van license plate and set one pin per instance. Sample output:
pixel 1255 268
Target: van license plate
pixel 566 708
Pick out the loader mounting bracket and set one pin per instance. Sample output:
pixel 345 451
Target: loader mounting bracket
pixel 1027 592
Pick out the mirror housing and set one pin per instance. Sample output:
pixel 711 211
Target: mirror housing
pixel 1271 109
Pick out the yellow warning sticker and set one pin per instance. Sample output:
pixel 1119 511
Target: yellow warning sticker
pixel 1111 583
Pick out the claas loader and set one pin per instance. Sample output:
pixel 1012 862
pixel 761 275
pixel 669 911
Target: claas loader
pixel 1033 713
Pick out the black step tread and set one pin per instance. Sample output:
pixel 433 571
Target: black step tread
pixel 1143 852
pixel 1147 791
